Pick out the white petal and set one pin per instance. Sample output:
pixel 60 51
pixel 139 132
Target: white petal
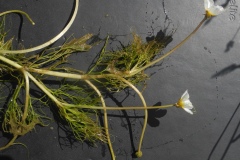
pixel 216 10
pixel 185 96
pixel 208 4
pixel 188 110
pixel 188 104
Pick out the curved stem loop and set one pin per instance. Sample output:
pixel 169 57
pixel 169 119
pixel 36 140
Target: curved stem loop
pixel 48 42
pixel 20 12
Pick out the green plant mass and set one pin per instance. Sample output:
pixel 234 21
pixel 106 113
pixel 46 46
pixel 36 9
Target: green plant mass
pixel 79 95
pixel 127 62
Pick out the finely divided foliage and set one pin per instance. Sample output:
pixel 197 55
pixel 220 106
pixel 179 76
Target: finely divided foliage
pixel 79 95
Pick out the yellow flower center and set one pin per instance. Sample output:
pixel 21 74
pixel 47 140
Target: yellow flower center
pixel 209 14
pixel 180 104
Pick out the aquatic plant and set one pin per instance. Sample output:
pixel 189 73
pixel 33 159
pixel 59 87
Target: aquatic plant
pixel 80 94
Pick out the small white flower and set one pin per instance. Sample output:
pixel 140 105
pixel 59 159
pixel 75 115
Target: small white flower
pixel 211 9
pixel 185 103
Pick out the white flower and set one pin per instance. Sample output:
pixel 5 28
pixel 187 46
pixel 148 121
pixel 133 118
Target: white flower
pixel 211 9
pixel 185 103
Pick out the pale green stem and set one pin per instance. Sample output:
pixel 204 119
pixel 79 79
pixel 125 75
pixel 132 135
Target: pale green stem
pixel 27 96
pixel 117 108
pixel 10 62
pixel 18 11
pixel 74 76
pixel 144 107
pixel 9 143
pixel 105 118
pixel 133 72
pixel 50 41
pixel 68 75
pixel 17 66
pixel 41 86
pixel 55 73
pixel 44 89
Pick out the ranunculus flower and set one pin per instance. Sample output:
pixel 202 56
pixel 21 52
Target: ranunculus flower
pixel 211 9
pixel 185 103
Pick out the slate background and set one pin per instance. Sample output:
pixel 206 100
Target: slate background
pixel 207 65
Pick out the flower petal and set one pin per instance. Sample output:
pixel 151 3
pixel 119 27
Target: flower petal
pixel 216 10
pixel 208 4
pixel 185 96
pixel 187 104
pixel 188 110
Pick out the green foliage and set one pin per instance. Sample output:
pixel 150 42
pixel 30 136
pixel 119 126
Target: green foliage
pixel 14 122
pixel 84 122
pixel 78 94
pixel 128 61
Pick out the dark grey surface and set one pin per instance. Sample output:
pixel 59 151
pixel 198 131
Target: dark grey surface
pixel 207 65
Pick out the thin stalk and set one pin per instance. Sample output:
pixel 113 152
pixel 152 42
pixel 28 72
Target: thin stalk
pixel 43 88
pixel 144 107
pixel 28 75
pixel 68 75
pixel 105 118
pixel 20 12
pixel 27 96
pixel 50 41
pixel 133 72
pixel 10 62
pixel 74 76
pixel 117 108
pixel 9 143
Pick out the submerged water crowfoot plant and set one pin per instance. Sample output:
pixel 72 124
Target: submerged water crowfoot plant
pixel 79 97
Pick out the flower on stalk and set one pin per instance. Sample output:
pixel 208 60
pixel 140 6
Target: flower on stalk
pixel 211 9
pixel 185 103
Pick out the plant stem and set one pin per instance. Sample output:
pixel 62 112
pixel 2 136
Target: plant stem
pixel 133 72
pixel 48 42
pixel 10 62
pixel 26 73
pixel 74 76
pixel 18 11
pixel 118 108
pixel 45 90
pixel 27 96
pixel 9 143
pixel 105 118
pixel 144 107
pixel 68 75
